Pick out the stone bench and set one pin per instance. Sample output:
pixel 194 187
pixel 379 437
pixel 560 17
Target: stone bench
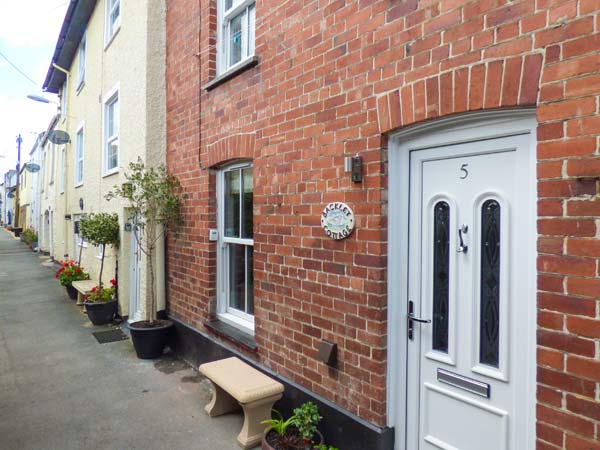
pixel 83 288
pixel 236 384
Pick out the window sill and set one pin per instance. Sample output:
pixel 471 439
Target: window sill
pixel 78 185
pixel 232 72
pixel 110 172
pixel 111 38
pixel 232 334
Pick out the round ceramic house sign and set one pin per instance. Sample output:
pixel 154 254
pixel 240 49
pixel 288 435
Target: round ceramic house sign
pixel 337 220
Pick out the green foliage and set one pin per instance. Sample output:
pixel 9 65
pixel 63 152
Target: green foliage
pixel 278 425
pixel 306 419
pixel 325 447
pixel 70 271
pixel 155 207
pixel 153 195
pixel 29 236
pixel 100 229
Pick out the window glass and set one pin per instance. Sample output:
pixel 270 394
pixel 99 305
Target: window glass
pixel 63 100
pixel 79 158
pixel 237 276
pixel 247 203
pixel 63 164
pixel 489 332
pixel 441 278
pixel 81 63
pixel 232 203
pixel 235 39
pixel 113 17
pixel 236 254
pixel 250 278
pixel 237 32
pixel 112 133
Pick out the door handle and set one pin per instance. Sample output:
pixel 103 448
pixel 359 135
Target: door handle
pixel 418 319
pixel 412 319
pixel 462 248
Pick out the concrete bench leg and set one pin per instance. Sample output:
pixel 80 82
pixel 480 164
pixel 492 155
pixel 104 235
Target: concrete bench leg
pixel 79 298
pixel 221 402
pixel 254 414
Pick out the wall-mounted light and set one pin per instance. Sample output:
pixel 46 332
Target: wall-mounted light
pixel 353 164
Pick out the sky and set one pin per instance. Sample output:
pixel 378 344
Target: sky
pixel 28 33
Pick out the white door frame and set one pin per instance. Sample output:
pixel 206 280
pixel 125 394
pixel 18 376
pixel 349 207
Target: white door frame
pixel 463 128
pixel 135 312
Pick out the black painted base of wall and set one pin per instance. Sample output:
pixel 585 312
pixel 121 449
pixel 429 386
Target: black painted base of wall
pixel 339 427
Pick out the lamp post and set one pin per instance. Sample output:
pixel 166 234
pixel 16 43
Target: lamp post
pixel 19 142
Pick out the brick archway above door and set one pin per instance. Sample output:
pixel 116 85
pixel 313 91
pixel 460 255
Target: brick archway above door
pixel 237 146
pixel 501 83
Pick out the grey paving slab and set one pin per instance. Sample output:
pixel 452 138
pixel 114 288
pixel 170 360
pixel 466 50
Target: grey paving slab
pixel 62 390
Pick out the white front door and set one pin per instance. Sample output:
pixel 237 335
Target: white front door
pixel 469 234
pixel 135 258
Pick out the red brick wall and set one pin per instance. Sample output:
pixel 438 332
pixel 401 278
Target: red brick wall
pixel 333 78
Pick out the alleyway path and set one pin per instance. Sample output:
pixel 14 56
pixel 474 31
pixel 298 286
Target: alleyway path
pixel 62 390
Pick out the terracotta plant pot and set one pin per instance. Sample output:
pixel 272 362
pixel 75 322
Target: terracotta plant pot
pixel 101 313
pixel 316 440
pixel 149 342
pixel 72 292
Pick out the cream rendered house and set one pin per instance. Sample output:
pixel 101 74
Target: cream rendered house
pixel 34 186
pixel 109 70
pixel 47 193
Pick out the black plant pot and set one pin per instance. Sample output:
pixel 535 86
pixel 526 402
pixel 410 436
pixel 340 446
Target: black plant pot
pixel 149 342
pixel 72 292
pixel 101 313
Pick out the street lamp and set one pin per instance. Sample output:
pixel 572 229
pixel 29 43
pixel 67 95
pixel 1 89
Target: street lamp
pixel 39 98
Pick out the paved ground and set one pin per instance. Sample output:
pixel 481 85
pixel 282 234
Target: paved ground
pixel 62 390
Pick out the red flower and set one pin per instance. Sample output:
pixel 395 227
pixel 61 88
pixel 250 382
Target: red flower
pixel 77 270
pixel 94 289
pixel 113 282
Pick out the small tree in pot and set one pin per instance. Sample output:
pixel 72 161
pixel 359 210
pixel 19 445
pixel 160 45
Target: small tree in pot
pixel 101 230
pixel 155 206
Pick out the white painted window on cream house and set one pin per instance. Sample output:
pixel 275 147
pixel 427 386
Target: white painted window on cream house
pixel 81 64
pixel 79 149
pixel 63 99
pixel 63 168
pixel 113 20
pixel 111 133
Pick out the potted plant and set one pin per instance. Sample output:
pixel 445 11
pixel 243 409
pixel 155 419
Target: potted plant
pixel 100 230
pixel 101 304
pixel 299 432
pixel 30 237
pixel 155 207
pixel 68 272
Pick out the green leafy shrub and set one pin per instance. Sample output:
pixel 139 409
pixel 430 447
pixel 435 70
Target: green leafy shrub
pixel 325 447
pixel 100 229
pixel 306 418
pixel 30 236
